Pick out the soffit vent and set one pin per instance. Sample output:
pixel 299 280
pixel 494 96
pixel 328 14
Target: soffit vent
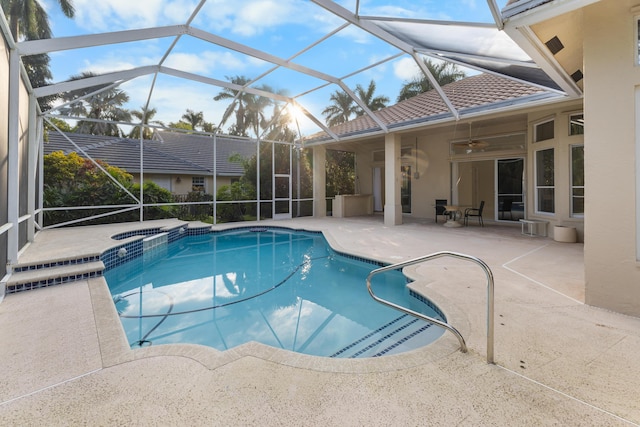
pixel 555 45
pixel 577 76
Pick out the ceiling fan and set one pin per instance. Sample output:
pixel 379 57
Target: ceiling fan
pixel 472 144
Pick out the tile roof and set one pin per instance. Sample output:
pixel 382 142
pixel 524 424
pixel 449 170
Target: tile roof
pixel 475 92
pixel 171 153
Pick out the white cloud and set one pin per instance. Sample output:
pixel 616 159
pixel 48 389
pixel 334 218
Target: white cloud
pixel 171 98
pixel 406 69
pixel 205 62
pixel 115 15
pixel 256 16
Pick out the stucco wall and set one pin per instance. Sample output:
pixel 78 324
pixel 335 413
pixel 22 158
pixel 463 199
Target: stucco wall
pixel 611 81
pixel 4 145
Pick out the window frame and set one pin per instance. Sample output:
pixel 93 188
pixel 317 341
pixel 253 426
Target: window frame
pixel 572 185
pixel 540 123
pixel 570 133
pixel 539 187
pixel 194 185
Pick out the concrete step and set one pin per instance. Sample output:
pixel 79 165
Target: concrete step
pixel 34 277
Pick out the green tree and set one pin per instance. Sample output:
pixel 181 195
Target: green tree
pixel 70 180
pixel 232 212
pixel 278 128
pixel 237 106
pixel 341 174
pixel 443 72
pixel 193 118
pixel 105 106
pixel 145 118
pixel 28 20
pixel 60 124
pixel 249 109
pixel 373 102
pixel 180 125
pixel 341 109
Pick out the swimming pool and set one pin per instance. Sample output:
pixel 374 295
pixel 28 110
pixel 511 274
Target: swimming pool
pixel 279 287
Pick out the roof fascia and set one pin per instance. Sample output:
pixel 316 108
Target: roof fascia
pixel 508 106
pixel 532 12
pixel 94 81
pixel 34 47
pixel 529 42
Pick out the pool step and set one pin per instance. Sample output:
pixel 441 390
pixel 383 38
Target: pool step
pixel 27 277
pixel 390 338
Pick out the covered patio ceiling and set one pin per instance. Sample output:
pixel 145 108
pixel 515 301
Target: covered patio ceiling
pixel 181 57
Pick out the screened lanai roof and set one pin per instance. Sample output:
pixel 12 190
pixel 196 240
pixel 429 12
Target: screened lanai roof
pixel 175 56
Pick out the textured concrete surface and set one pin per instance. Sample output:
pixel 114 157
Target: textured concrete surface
pixel 558 361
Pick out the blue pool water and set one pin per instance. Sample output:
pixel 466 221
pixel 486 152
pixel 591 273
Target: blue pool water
pixel 282 288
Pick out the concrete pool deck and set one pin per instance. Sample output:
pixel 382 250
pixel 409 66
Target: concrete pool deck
pixel 65 360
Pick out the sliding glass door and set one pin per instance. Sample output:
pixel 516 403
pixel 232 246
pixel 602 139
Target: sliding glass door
pixel 510 189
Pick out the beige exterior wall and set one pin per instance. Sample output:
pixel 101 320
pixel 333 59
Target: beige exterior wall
pixel 184 184
pixel 612 79
pixel 467 181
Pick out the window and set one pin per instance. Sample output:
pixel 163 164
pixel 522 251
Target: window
pixel 543 131
pixel 378 156
pixel 576 124
pixel 197 183
pixel 577 180
pixel 544 181
pixel 638 40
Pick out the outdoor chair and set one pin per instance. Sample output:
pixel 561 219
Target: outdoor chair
pixel 474 212
pixel 440 208
pixel 506 209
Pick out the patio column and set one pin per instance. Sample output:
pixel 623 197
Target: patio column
pixel 319 182
pixel 393 205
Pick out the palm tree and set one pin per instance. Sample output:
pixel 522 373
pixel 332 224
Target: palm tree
pixel 249 108
pixel 279 128
pixel 372 102
pixel 105 106
pixel 341 110
pixel 193 118
pixel 255 113
pixel 443 72
pixel 145 117
pixel 28 19
pixel 238 105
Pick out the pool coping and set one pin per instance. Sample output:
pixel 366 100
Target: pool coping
pixel 115 349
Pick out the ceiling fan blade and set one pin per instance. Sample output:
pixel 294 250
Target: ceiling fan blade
pixel 475 143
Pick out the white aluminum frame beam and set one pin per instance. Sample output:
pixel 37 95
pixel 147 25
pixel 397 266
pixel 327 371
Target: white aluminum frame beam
pixel 389 38
pixel 13 159
pixel 35 47
pixel 103 79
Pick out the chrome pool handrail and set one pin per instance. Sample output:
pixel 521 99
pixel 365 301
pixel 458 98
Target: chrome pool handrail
pixel 490 305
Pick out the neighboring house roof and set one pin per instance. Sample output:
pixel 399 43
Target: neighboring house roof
pixel 468 95
pixel 173 153
pixel 199 150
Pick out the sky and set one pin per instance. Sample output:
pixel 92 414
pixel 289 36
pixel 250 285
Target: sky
pixel 282 28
